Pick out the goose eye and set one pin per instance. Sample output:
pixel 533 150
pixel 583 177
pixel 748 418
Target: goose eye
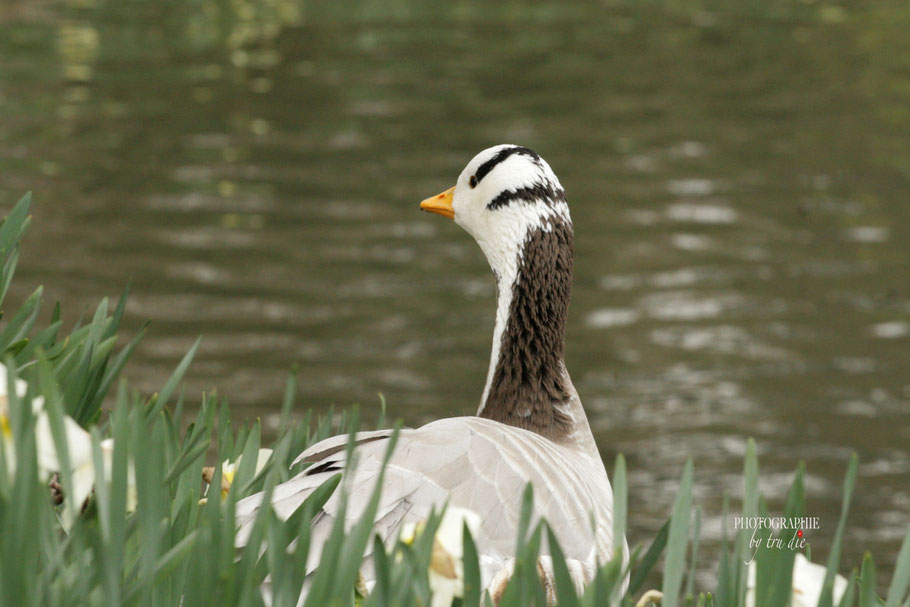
pixel 472 181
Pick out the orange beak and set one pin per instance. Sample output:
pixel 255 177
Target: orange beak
pixel 440 204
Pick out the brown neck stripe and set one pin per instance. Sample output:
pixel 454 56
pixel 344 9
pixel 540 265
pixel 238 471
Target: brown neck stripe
pixel 530 383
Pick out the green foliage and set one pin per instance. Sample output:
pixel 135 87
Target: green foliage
pixel 176 548
pixel 900 583
pixel 674 563
pixel 83 363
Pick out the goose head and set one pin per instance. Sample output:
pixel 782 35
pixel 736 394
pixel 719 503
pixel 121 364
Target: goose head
pixel 502 196
pixel 511 202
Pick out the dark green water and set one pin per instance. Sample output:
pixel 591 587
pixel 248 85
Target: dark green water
pixel 739 180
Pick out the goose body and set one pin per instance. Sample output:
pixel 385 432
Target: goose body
pixel 530 426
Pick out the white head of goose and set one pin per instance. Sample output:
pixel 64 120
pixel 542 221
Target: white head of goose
pixel 530 427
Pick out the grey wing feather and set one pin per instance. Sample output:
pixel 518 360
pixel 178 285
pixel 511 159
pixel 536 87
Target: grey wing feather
pixel 334 444
pixel 471 463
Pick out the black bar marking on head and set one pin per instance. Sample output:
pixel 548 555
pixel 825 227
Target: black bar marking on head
pixel 500 156
pixel 543 191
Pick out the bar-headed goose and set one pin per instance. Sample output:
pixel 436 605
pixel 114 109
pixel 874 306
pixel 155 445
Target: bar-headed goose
pixel 530 426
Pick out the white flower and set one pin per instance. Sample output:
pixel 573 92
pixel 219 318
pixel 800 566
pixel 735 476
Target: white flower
pixel 78 441
pixel 6 431
pixel 6 435
pixel 83 470
pixel 229 470
pixel 79 445
pixel 808 579
pixel 446 574
pixel 6 438
pixel 21 389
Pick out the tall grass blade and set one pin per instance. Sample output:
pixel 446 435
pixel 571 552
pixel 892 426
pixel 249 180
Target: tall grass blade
pixel 847 600
pixel 640 573
pixel 675 561
pixel 22 321
pixel 826 598
pixel 897 591
pixel 11 231
pixel 14 225
pixel 172 381
pixel 565 588
pixel 524 520
pixel 867 583
pixel 472 583
pixel 774 567
pixel 696 534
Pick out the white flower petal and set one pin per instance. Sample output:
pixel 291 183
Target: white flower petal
pixel 808 579
pixel 9 450
pixel 229 469
pixel 21 386
pixel 451 528
pixel 261 459
pixel 83 482
pixel 78 441
pixel 107 454
pixel 446 574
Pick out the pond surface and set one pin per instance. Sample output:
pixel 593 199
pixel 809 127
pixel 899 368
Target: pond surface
pixel 739 182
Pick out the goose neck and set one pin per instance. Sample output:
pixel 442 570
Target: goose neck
pixel 527 382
